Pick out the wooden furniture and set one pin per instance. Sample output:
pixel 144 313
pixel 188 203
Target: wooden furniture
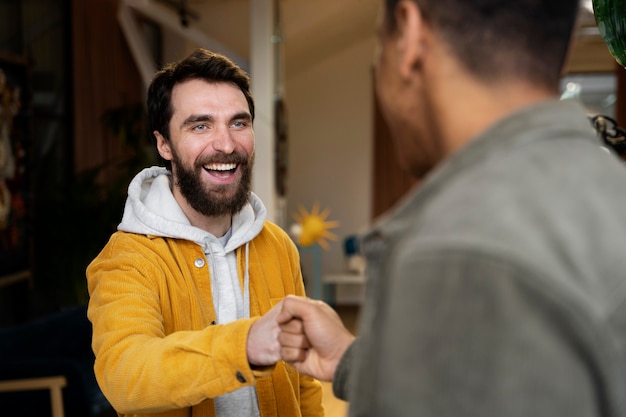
pixel 54 383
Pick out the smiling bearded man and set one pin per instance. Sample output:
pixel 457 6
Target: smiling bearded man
pixel 183 297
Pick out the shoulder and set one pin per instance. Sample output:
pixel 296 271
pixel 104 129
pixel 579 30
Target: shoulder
pixel 275 234
pixel 273 242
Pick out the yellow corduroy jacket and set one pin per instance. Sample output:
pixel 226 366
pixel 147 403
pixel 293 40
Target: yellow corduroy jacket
pixel 158 349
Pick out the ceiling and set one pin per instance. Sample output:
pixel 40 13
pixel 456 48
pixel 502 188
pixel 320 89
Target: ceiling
pixel 313 30
pixel 309 30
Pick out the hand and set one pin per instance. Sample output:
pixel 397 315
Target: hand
pixel 313 337
pixel 263 348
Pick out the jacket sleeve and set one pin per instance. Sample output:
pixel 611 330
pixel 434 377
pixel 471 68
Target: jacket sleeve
pixel 139 366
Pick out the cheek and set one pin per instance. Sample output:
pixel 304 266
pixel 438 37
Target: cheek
pixel 187 152
pixel 246 141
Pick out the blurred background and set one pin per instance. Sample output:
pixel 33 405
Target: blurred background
pixel 73 75
pixel 79 70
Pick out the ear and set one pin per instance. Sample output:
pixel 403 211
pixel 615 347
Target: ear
pixel 411 37
pixel 163 146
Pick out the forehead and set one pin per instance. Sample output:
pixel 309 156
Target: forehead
pixel 193 96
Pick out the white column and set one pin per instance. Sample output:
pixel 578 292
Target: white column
pixel 262 74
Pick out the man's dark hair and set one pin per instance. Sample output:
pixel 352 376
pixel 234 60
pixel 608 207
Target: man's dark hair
pixel 200 64
pixel 500 39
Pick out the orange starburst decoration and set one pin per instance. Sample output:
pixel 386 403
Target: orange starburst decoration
pixel 314 228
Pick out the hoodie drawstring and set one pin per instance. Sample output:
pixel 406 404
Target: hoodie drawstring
pixel 246 283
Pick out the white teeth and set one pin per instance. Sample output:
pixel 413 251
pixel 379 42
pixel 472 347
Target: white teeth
pixel 220 167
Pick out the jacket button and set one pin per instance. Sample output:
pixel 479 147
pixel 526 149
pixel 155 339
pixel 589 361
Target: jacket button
pixel 199 262
pixel 240 377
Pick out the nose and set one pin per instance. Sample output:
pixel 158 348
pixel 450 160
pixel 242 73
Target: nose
pixel 224 141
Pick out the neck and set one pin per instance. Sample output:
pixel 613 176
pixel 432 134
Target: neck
pixel 464 107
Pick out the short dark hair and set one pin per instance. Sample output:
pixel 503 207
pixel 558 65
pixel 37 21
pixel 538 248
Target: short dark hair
pixel 527 39
pixel 200 64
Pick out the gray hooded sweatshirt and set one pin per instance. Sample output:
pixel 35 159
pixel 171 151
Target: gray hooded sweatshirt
pixel 152 210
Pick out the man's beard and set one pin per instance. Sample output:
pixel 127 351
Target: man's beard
pixel 214 200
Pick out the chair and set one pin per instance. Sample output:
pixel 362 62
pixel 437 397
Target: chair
pixel 51 354
pixel 54 384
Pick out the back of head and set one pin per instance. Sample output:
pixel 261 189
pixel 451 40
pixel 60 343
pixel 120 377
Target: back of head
pixel 200 64
pixel 498 40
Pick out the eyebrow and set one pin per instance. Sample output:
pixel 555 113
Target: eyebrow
pixel 195 118
pixel 241 116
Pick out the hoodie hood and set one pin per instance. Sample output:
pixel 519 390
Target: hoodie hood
pixel 151 209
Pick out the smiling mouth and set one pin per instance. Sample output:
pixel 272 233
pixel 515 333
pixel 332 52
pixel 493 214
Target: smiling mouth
pixel 220 168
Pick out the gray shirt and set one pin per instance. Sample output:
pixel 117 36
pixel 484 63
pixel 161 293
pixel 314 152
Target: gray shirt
pixel 497 287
